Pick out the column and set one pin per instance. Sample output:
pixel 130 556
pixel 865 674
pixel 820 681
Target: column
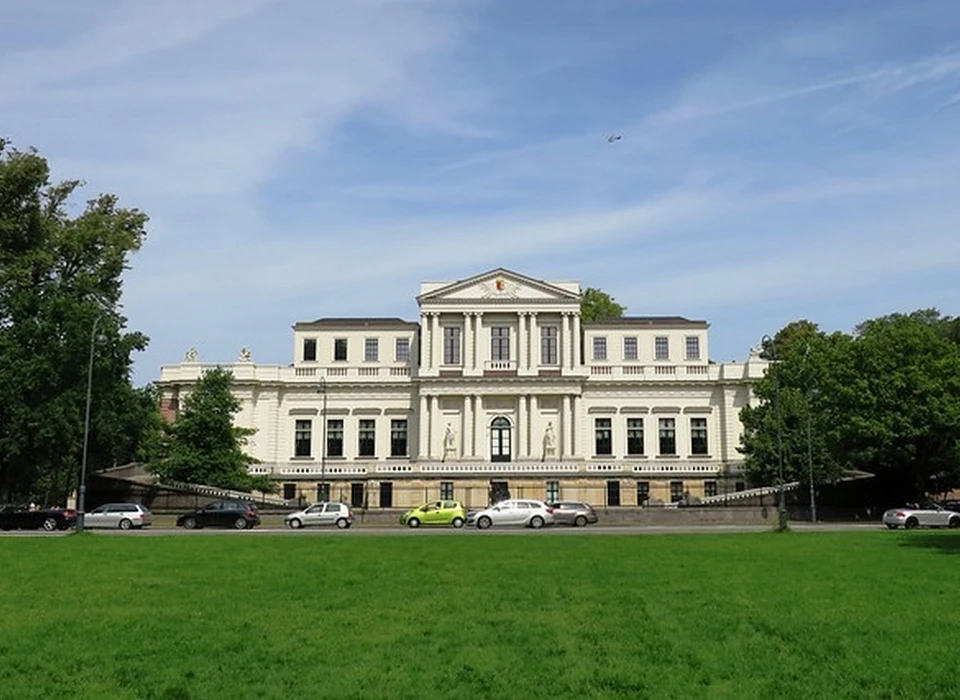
pixel 423 425
pixel 466 429
pixel 533 346
pixel 467 341
pixel 478 353
pixel 521 342
pixel 434 428
pixel 566 347
pixel 426 355
pixel 523 450
pixel 536 446
pixel 577 425
pixel 479 435
pixel 566 429
pixel 576 341
pixel 436 341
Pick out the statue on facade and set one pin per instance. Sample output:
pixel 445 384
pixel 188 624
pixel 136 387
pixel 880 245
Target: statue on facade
pixel 191 355
pixel 449 442
pixel 245 355
pixel 549 443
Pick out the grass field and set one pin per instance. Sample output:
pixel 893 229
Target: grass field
pixel 797 615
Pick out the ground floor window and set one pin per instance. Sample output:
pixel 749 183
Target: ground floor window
pixel 323 492
pixel 676 491
pixel 499 491
pixel 710 488
pixel 289 491
pixel 446 490
pixel 643 492
pixel 553 491
pixel 386 494
pixel 613 493
pixel 356 495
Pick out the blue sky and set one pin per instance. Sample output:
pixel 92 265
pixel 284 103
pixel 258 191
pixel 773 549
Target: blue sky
pixel 308 158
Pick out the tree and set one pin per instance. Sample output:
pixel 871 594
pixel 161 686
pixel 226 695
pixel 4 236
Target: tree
pixel 596 305
pixel 61 279
pixel 203 445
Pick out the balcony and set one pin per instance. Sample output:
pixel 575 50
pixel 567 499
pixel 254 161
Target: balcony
pixel 497 366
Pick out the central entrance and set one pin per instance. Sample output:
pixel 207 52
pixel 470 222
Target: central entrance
pixel 500 447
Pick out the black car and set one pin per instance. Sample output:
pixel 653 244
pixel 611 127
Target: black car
pixel 237 514
pixel 951 505
pixel 22 517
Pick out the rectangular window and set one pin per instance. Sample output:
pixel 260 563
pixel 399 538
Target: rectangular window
pixel 634 436
pixel 698 436
pixel 709 488
pixel 604 436
pixel 643 492
pixel 676 491
pixel 335 437
pixel 340 349
pixel 309 349
pixel 301 438
pixel 371 350
pixel 661 348
pixel 289 491
pixel 386 494
pixel 629 348
pixel 599 348
pixel 367 444
pixel 668 436
pixel 693 347
pixel 553 491
pixel 451 345
pixel 500 344
pixel 357 496
pixel 446 490
pixel 403 350
pixel 323 492
pixel 613 493
pixel 549 348
pixel 398 437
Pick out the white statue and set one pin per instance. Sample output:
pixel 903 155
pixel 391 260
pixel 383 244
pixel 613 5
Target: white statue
pixel 191 355
pixel 549 442
pixel 245 355
pixel 449 442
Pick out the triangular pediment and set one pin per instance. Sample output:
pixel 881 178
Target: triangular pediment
pixel 499 285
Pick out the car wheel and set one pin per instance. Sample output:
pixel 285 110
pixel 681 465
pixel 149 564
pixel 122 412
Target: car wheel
pixel 343 523
pixel 536 522
pixel 911 523
pixel 954 523
pixel 125 524
pixel 295 524
pixel 484 522
pixel 240 523
pixel 413 522
pixel 189 523
pixel 457 522
pixel 892 527
pixel 50 524
pixel 580 521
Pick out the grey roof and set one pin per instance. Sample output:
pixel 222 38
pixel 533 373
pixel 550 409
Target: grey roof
pixel 355 323
pixel 639 321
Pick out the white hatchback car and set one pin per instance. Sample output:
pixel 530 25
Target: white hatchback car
pixel 338 514
pixel 118 515
pixel 515 511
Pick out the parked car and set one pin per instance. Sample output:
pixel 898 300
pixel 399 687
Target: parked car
pixel 930 515
pixel 24 517
pixel 236 514
pixel 323 513
pixel 436 513
pixel 951 505
pixel 515 511
pixel 573 513
pixel 118 515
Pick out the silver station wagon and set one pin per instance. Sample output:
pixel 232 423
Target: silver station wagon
pixel 118 515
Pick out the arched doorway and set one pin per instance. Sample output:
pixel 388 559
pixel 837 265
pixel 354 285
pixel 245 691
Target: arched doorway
pixel 500 445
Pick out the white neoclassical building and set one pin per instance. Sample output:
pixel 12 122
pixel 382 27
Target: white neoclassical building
pixel 500 388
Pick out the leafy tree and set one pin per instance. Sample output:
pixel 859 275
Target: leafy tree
pixel 596 305
pixel 60 293
pixel 203 445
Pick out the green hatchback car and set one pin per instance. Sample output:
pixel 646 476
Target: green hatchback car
pixel 436 513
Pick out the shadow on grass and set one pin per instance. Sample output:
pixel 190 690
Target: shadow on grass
pixel 945 542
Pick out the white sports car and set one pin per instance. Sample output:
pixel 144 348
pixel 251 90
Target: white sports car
pixel 930 515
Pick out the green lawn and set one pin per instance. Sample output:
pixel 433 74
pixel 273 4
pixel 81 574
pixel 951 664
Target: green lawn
pixel 798 615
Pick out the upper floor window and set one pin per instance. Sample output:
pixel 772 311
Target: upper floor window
pixel 634 436
pixel 451 345
pixel 549 354
pixel 599 348
pixel 335 437
pixel 403 350
pixel 668 436
pixel 661 348
pixel 371 350
pixel 367 443
pixel 340 349
pixel 309 349
pixel 604 436
pixel 698 436
pixel 500 343
pixel 693 347
pixel 398 437
pixel 301 438
pixel 629 348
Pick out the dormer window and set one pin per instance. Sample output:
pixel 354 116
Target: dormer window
pixel 693 347
pixel 309 349
pixel 600 348
pixel 661 348
pixel 340 349
pixel 403 350
pixel 371 350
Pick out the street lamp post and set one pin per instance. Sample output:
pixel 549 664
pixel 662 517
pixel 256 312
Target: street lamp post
pixel 322 389
pixel 809 392
pixel 82 491
pixel 781 498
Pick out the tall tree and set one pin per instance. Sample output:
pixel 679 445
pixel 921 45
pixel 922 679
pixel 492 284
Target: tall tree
pixel 60 294
pixel 204 446
pixel 597 305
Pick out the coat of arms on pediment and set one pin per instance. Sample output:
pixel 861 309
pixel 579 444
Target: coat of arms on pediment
pixel 500 287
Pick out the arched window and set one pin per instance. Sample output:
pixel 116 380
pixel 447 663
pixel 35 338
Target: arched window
pixel 500 439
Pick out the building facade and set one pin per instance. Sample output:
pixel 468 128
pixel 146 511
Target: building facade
pixel 500 389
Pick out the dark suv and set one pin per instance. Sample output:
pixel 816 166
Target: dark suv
pixel 236 514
